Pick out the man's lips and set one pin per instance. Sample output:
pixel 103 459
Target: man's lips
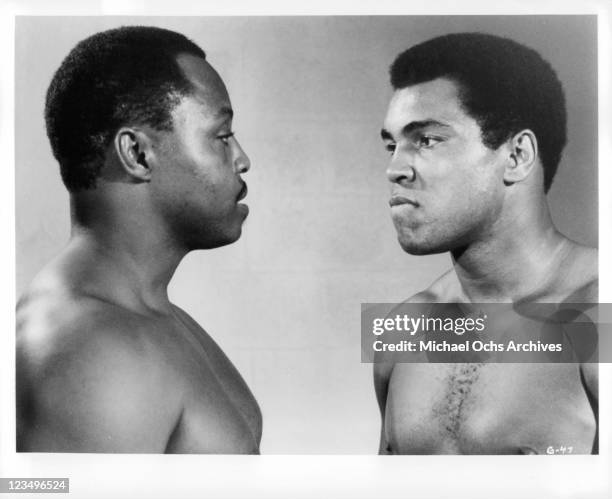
pixel 400 200
pixel 243 192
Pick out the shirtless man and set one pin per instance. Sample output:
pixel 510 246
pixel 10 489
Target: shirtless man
pixel 475 129
pixel 141 126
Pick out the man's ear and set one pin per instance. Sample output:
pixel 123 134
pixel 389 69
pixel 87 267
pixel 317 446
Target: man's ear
pixel 133 148
pixel 522 156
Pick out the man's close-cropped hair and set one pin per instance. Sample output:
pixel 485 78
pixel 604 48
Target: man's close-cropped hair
pixel 505 86
pixel 121 77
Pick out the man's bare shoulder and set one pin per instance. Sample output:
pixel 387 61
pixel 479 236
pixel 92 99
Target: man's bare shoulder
pixel 445 289
pixel 89 377
pixel 50 319
pixel 574 278
pixel 581 275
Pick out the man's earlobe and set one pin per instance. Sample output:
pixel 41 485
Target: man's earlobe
pixel 523 156
pixel 132 147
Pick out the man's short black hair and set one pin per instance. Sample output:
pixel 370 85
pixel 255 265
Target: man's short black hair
pixel 505 86
pixel 124 76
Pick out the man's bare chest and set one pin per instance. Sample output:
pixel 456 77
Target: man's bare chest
pixel 220 414
pixel 487 409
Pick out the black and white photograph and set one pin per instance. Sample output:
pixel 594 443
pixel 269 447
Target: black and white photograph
pixel 204 205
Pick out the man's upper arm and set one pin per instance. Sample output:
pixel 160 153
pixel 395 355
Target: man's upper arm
pixel 382 373
pixel 92 391
pixel 590 376
pixel 383 370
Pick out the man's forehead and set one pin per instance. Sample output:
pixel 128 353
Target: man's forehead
pixel 436 99
pixel 208 87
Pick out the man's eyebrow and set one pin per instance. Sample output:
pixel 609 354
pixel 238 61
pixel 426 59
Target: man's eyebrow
pixel 412 126
pixel 224 112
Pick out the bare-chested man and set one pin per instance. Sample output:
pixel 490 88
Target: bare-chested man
pixel 475 129
pixel 141 126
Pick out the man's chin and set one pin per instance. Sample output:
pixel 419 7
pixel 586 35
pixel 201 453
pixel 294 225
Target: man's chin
pixel 415 247
pixel 220 240
pixel 232 237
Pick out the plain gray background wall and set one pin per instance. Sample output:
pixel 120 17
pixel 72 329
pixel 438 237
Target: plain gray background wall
pixel 310 94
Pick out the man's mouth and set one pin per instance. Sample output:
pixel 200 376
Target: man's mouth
pixel 400 200
pixel 243 192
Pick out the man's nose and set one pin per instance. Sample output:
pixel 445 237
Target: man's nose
pixel 242 162
pixel 400 171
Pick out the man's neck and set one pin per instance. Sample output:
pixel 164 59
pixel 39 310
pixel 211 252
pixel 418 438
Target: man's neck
pixel 133 259
pixel 515 260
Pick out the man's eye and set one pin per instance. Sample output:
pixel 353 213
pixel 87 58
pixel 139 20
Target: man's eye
pixel 427 141
pixel 390 147
pixel 225 137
